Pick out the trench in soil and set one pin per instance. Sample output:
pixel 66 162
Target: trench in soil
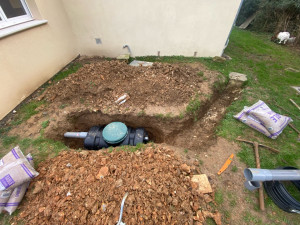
pixel 185 132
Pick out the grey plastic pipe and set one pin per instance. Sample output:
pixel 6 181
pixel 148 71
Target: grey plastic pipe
pixel 252 185
pixel 252 174
pixel 75 134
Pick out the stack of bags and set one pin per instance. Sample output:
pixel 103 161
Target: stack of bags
pixel 16 172
pixel 261 118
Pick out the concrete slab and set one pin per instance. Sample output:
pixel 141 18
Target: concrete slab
pixel 203 183
pixel 140 63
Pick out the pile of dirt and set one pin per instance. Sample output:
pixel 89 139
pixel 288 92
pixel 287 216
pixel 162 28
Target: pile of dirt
pixel 100 84
pixel 87 187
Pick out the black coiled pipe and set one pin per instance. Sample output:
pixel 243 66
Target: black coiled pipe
pixel 280 196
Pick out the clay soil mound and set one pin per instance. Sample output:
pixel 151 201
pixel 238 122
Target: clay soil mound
pixel 87 187
pixel 101 83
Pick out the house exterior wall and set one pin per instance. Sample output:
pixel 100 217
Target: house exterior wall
pixel 173 27
pixel 31 57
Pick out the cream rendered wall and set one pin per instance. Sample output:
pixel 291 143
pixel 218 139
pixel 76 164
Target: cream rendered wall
pixel 31 57
pixel 173 27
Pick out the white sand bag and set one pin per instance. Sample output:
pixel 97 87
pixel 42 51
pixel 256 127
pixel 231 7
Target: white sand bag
pixel 12 156
pixel 4 197
pixel 18 193
pixel 15 170
pixel 252 122
pixel 274 122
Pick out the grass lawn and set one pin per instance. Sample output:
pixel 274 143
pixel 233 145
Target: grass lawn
pixel 253 54
pixel 264 62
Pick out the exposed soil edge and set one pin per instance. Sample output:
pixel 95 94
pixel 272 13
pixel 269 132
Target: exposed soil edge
pixel 173 130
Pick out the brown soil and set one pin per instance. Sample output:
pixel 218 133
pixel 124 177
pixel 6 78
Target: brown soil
pixel 158 183
pixel 183 132
pixel 87 98
pixel 99 84
pixel 82 99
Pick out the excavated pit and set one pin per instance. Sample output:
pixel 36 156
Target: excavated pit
pixel 185 132
pixel 159 130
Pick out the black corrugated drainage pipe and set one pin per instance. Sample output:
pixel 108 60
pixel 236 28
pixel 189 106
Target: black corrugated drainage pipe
pixel 274 187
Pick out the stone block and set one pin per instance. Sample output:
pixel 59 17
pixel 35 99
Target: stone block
pixel 202 183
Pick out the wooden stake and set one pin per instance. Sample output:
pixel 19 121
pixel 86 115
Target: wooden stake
pixel 288 111
pixel 256 154
pixel 251 142
pixel 294 128
pixel 260 190
pixel 295 104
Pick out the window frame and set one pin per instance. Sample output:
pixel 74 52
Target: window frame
pixel 7 22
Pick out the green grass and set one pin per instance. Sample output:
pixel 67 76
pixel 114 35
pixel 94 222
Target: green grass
pixel 159 116
pixel 227 215
pixel 210 221
pixel 250 219
pixel 232 199
pixel 194 106
pixel 46 147
pixel 128 148
pixel 219 198
pixel 234 169
pixel 163 116
pixel 26 111
pixel 141 113
pixel 276 214
pixel 25 143
pixel 200 74
pixel 5 218
pixel 8 141
pixel 233 203
pixel 200 162
pixel 63 74
pixel 82 100
pixel 264 62
pixel 45 124
pixel 62 106
pixel 72 68
pixel 181 115
pixel 4 130
pixel 43 147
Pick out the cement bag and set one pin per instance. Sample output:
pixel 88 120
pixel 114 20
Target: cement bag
pixel 274 122
pixel 4 197
pixel 11 157
pixel 15 170
pixel 252 122
pixel 18 193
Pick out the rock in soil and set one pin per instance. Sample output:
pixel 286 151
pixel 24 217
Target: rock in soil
pixel 203 185
pixel 157 180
